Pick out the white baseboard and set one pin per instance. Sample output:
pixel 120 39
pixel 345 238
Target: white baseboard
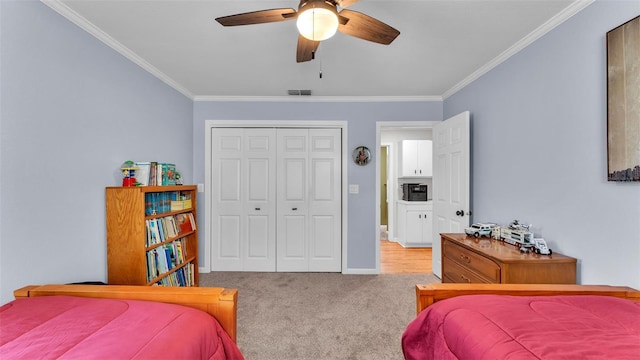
pixel 361 271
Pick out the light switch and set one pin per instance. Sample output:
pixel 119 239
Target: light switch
pixel 354 188
pixel 200 187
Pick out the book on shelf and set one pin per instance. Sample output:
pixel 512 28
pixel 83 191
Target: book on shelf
pixel 154 232
pixel 163 202
pixel 159 230
pixel 168 174
pixel 192 220
pixel 153 173
pixel 143 172
pixel 184 223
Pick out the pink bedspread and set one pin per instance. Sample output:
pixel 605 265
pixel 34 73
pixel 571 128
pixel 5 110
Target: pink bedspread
pixel 514 327
pixel 83 328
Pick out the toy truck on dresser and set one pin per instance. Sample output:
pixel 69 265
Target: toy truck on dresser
pixel 519 235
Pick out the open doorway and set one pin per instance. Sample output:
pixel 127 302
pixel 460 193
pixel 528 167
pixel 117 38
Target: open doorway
pixel 384 208
pixel 394 255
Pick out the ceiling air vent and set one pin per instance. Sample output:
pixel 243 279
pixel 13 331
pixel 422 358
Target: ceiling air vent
pixel 299 92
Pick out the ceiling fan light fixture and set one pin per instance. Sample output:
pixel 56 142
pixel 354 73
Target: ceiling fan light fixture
pixel 317 20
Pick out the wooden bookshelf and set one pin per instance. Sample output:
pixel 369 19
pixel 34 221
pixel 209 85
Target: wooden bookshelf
pixel 134 254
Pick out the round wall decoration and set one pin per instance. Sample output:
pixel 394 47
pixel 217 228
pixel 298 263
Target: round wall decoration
pixel 361 155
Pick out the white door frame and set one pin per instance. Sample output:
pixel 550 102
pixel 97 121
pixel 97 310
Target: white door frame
pixel 209 125
pixel 390 125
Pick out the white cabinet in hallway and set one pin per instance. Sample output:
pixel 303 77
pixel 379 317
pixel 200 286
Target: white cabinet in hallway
pixel 415 223
pixel 276 200
pixel 416 158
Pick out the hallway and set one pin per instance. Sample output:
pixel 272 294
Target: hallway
pixel 395 259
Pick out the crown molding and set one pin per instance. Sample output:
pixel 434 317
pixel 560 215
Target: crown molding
pixel 551 24
pixel 312 98
pixel 89 27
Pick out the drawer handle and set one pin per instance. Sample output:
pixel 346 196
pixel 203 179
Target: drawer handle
pixel 465 258
pixel 465 279
pixel 257 209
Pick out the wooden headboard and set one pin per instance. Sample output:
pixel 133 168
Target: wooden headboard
pixel 428 294
pixel 220 303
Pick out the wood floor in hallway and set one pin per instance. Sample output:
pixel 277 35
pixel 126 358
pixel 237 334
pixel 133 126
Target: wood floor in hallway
pixel 395 259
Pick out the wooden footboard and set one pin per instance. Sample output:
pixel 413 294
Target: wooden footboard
pixel 428 294
pixel 218 302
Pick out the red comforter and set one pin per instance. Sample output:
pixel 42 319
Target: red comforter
pixel 84 328
pixel 523 327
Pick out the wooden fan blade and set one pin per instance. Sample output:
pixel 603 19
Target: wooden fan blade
pixel 346 3
pixel 367 28
pixel 257 17
pixel 306 49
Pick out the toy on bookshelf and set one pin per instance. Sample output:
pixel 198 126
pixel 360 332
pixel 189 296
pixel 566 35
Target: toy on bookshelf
pixel 128 169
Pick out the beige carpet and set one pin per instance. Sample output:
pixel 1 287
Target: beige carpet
pixel 321 316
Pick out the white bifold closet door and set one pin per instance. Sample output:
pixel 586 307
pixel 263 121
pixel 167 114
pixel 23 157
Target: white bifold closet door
pixel 309 222
pixel 243 197
pixel 276 200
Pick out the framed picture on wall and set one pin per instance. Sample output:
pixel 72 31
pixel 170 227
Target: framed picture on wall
pixel 623 102
pixel 361 155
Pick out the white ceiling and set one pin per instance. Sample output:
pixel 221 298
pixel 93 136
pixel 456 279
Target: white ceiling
pixel 443 45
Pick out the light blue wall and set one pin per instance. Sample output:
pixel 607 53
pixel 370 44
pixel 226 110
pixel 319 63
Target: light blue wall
pixel 72 111
pixel 361 118
pixel 539 147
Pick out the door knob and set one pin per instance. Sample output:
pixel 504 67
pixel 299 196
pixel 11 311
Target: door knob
pixel 460 212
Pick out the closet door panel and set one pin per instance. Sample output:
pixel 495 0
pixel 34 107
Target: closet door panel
pixel 227 249
pixel 227 206
pixel 243 164
pixel 293 247
pixel 229 171
pixel 325 205
pixel 322 230
pixel 293 177
pixel 260 203
pixel 259 256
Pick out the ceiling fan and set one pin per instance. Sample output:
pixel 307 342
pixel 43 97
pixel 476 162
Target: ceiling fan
pixel 318 20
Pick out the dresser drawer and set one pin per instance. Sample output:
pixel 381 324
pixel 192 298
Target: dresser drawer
pixel 453 272
pixel 484 267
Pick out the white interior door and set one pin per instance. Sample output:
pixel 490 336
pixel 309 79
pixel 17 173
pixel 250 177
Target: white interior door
pixel 226 172
pixel 243 198
pixel 309 200
pixel 292 195
pixel 260 203
pixel 451 183
pixel 325 219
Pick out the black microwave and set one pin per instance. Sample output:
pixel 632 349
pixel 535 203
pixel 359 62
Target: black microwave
pixel 414 192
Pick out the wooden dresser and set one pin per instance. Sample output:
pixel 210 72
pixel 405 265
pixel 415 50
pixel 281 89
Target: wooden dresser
pixel 484 260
